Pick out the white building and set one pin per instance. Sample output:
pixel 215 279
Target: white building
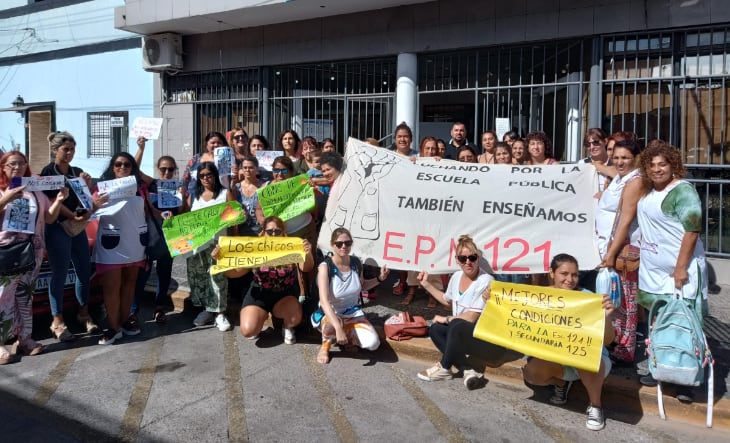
pixel 63 66
pixel 343 68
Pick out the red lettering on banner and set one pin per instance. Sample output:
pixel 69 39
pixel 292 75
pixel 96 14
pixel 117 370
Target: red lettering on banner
pixel 419 251
pixel 389 245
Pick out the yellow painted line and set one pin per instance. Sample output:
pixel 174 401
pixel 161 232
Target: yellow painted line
pixel 140 393
pixel 334 409
pixel 237 427
pixel 56 377
pixel 436 416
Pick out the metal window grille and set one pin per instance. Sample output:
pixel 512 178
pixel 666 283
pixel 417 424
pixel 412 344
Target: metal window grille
pixel 107 133
pixel 537 87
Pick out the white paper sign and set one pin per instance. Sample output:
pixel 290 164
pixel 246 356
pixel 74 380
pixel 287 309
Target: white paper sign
pixel 266 158
pixel 44 183
pixel 501 127
pixel 78 186
pixel 147 127
pixel 119 187
pixel 20 215
pixel 225 159
pixel 168 195
pixel 409 216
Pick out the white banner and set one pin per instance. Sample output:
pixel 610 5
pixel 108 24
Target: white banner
pixel 119 187
pixel 44 183
pixel 409 216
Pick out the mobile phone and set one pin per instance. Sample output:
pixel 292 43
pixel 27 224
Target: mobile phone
pixel 15 182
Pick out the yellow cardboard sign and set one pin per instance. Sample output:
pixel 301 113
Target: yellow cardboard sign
pixel 557 325
pixel 254 252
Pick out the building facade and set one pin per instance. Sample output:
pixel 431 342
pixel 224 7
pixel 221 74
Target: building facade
pixel 64 66
pixel 347 68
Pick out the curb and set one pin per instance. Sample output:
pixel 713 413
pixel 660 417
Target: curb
pixel 619 392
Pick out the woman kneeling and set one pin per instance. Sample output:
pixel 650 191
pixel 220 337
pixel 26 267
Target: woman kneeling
pixel 564 274
pixel 339 295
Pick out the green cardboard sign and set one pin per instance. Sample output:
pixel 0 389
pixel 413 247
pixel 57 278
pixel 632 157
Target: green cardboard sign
pixel 288 198
pixel 186 232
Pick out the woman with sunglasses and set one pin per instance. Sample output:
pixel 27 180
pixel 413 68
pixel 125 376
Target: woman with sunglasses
pixel 538 372
pixel 119 251
pixel 453 334
pixel 63 248
pixel 16 301
pixel 167 170
pixel 206 290
pixel 274 291
pixel 213 140
pixel 344 322
pixel 238 140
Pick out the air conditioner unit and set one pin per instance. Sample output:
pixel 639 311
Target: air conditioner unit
pixel 162 52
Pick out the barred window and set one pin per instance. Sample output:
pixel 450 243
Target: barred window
pixel 108 133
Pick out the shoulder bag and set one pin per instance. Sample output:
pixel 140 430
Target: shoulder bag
pixel 404 326
pixel 627 259
pixel 17 258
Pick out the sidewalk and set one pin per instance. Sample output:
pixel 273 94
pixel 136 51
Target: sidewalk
pixel 622 386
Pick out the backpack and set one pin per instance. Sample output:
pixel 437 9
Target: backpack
pixel 677 349
pixel 355 266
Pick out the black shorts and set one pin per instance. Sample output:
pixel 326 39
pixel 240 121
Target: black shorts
pixel 266 300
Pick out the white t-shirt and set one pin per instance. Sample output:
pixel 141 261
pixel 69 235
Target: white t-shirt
pixel 471 299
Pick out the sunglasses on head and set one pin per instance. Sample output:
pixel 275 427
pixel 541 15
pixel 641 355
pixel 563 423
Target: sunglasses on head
pixel 275 231
pixel 165 170
pixel 341 244
pixel 126 165
pixel 463 258
pixel 280 171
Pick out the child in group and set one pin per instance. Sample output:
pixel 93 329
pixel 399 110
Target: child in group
pixel 564 275
pixel 317 180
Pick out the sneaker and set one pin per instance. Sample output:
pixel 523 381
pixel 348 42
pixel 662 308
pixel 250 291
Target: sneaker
pixel 435 372
pixel 222 323
pixel 289 337
pixel 473 379
pixel 110 336
pixel 595 421
pixel 204 318
pixel 399 288
pixel 685 394
pixel 560 394
pixel 648 380
pixel 130 327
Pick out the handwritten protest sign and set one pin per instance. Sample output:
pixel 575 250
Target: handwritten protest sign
pixel 146 127
pixel 20 216
pixel 254 252
pixel 288 198
pixel 44 183
pixel 168 195
pixel 186 232
pixel 409 216
pixel 119 187
pixel 557 325
pixel 78 186
pixel 266 158
pixel 224 160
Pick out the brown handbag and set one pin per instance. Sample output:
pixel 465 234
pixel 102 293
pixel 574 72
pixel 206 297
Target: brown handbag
pixel 404 326
pixel 627 259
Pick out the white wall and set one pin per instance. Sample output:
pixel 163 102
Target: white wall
pixel 112 81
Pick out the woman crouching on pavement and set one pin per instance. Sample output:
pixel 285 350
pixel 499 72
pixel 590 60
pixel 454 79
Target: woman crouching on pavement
pixel 453 334
pixel 339 296
pixel 274 290
pixel 564 275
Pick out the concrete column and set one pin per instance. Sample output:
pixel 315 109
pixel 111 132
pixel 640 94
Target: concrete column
pixel 264 108
pixel 405 93
pixel 595 94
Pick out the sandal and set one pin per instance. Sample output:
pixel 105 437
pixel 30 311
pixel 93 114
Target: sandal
pixel 29 347
pixel 400 287
pixel 160 317
pixel 6 357
pixel 85 320
pixel 61 333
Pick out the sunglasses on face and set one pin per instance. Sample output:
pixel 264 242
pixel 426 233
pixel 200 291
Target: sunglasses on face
pixel 273 232
pixel 463 258
pixel 165 170
pixel 341 244
pixel 239 137
pixel 280 171
pixel 120 165
pixel 592 142
pixel 205 175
